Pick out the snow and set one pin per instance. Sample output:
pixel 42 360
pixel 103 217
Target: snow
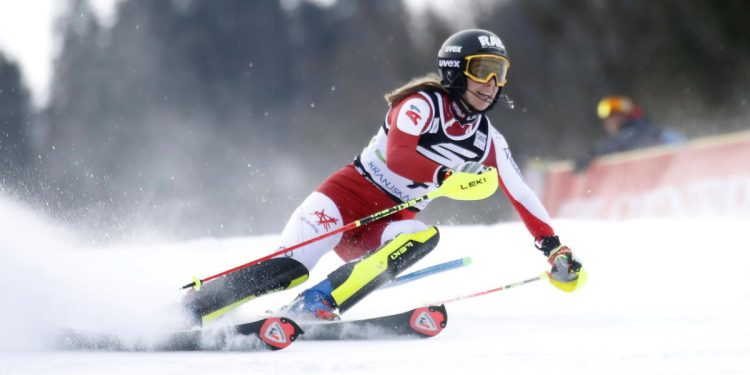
pixel 664 297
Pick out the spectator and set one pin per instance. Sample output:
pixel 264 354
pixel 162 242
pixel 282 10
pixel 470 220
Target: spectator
pixel 628 130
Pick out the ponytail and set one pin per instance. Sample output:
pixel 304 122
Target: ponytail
pixel 428 82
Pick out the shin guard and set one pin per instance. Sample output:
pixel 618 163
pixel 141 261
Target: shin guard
pixel 217 297
pixel 353 281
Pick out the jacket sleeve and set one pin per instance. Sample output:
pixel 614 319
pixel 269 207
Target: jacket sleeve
pixel 524 200
pixel 408 120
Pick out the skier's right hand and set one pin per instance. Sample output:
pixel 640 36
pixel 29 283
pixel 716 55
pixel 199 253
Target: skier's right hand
pixel 466 167
pixel 470 167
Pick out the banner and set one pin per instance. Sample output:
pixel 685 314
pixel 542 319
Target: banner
pixel 706 177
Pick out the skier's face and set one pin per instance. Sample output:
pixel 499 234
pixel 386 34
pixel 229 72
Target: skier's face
pixel 480 95
pixel 613 123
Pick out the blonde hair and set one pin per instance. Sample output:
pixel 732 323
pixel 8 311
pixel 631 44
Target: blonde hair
pixel 430 82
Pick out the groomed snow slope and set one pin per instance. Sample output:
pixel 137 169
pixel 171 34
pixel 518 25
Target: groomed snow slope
pixel 664 297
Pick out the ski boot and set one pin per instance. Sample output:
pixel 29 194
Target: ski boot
pixel 315 303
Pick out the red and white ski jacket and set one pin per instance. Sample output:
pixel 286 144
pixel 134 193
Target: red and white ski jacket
pixel 428 130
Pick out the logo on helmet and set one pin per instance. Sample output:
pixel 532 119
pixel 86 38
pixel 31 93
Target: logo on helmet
pixel 449 63
pixel 490 41
pixel 452 49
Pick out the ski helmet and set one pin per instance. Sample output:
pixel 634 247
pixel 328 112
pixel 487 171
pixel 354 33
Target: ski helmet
pixel 479 54
pixel 617 105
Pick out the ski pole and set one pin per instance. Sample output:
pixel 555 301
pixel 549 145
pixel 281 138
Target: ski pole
pixel 460 186
pixel 567 287
pixel 493 290
pixel 424 272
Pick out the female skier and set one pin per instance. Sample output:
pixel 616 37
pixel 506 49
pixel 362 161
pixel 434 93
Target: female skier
pixel 435 125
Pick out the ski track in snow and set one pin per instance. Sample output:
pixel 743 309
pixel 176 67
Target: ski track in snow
pixel 664 297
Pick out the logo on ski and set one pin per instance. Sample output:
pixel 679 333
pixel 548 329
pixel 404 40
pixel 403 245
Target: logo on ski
pixel 427 321
pixel 274 333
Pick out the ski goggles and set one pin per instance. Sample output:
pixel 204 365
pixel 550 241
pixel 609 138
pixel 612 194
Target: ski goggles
pixel 482 68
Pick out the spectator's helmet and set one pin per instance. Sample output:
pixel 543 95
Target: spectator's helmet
pixel 617 105
pixel 477 54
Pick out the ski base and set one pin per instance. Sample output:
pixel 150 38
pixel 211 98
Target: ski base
pixel 422 322
pixel 272 333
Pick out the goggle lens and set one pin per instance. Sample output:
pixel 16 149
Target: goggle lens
pixel 482 68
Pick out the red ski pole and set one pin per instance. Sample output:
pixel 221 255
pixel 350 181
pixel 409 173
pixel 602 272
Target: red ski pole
pixel 568 287
pixel 493 290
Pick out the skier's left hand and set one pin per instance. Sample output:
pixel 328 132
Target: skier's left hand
pixel 565 266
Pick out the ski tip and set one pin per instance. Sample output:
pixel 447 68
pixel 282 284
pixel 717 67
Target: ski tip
pixel 467 261
pixel 429 321
pixel 279 333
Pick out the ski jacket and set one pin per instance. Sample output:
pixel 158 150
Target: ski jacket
pixel 428 130
pixel 635 133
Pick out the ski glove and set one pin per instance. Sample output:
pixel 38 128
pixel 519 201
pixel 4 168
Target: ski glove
pixel 465 167
pixel 565 265
pixel 470 167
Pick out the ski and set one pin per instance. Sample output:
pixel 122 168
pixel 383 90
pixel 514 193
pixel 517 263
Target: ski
pixel 272 333
pixel 420 322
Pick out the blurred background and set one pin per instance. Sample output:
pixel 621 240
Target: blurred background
pixel 216 118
